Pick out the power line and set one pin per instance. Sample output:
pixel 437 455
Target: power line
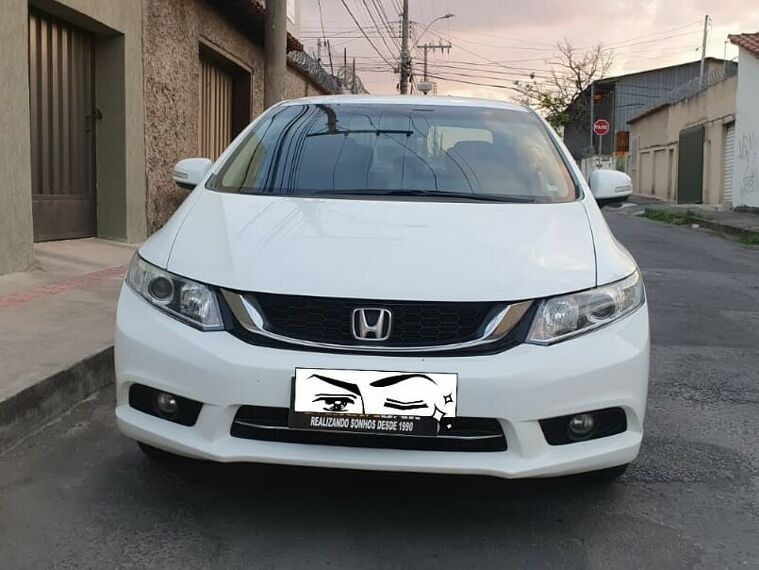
pixel 648 41
pixel 479 75
pixel 523 70
pixel 375 30
pixel 490 73
pixel 508 87
pixel 390 48
pixel 487 69
pixel 621 45
pixel 379 6
pixel 481 56
pixel 371 43
pixel 552 47
pixel 659 32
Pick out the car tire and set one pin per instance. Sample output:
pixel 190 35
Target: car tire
pixel 608 475
pixel 156 454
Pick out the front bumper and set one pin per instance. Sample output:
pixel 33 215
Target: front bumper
pixel 603 369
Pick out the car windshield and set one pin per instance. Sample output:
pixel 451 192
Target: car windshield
pixel 434 151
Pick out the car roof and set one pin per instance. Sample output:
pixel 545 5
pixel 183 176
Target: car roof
pixel 429 100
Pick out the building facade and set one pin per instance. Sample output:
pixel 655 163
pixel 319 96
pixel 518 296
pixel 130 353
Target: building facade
pixel 745 181
pixel 102 97
pixel 72 72
pixel 204 81
pixel 618 99
pixel 683 148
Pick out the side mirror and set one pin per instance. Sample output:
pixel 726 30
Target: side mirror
pixel 189 172
pixel 610 186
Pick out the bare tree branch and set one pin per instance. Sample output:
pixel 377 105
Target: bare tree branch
pixel 572 72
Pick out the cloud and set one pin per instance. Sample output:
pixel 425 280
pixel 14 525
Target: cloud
pixel 644 34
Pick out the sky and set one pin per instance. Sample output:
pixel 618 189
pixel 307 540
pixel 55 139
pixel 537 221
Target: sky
pixel 496 42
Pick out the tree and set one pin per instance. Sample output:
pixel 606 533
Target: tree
pixel 558 95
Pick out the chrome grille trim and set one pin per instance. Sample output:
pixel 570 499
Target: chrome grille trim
pixel 251 319
pixel 257 425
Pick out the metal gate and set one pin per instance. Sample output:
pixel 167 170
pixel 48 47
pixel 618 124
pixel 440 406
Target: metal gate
pixel 216 108
pixel 690 166
pixel 62 105
pixel 728 161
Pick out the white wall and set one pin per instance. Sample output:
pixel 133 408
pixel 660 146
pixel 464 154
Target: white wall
pixel 588 165
pixel 293 18
pixel 746 174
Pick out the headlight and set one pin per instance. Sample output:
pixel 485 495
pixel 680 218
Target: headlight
pixel 567 316
pixel 184 299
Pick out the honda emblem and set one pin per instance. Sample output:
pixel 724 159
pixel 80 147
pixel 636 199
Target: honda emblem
pixel 371 324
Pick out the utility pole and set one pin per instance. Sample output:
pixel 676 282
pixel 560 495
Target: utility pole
pixel 275 52
pixel 425 87
pixel 404 49
pixel 703 48
pixel 353 77
pixel 319 50
pixel 592 118
pixel 724 57
pixel 345 69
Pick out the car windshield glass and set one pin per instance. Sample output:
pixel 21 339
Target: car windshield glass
pixel 398 150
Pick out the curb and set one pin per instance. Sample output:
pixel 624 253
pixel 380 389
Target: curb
pixel 720 227
pixel 38 404
pixel 707 223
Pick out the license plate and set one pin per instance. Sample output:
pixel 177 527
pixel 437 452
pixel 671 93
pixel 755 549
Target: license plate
pixel 365 401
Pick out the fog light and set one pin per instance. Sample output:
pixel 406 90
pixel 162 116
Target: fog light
pixel 167 404
pixel 582 424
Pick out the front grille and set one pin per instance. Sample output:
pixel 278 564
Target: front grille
pixel 328 320
pixel 465 434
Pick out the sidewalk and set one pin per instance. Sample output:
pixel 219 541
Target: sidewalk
pixel 728 221
pixel 56 330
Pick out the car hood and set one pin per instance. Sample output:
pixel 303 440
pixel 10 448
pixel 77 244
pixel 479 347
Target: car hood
pixel 385 249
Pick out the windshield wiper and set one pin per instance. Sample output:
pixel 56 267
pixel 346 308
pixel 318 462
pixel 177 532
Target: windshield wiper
pixel 362 131
pixel 430 194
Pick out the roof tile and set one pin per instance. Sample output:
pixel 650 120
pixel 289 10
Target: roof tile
pixel 749 42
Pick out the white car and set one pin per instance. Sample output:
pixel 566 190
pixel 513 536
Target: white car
pixel 394 283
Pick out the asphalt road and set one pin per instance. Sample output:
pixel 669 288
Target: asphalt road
pixel 78 495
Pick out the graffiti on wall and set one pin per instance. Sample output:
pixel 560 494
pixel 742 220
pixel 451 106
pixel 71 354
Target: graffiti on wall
pixel 748 154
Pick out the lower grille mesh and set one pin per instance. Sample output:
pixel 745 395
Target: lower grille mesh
pixel 466 434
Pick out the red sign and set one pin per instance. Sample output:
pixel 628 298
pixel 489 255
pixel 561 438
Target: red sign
pixel 601 127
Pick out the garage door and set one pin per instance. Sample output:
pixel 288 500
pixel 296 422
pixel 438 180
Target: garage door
pixel 62 105
pixel 690 166
pixel 729 160
pixel 216 108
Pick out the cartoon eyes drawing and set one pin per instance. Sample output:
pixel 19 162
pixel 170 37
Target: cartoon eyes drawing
pixel 335 402
pixel 392 404
pixel 405 394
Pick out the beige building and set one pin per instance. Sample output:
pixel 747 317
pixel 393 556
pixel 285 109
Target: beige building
pixel 684 148
pixel 102 97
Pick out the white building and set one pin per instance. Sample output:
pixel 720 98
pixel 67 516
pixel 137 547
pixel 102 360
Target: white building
pixel 746 163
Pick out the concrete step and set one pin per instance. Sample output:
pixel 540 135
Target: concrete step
pixel 56 331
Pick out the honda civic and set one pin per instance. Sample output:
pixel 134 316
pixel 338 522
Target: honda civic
pixel 419 284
